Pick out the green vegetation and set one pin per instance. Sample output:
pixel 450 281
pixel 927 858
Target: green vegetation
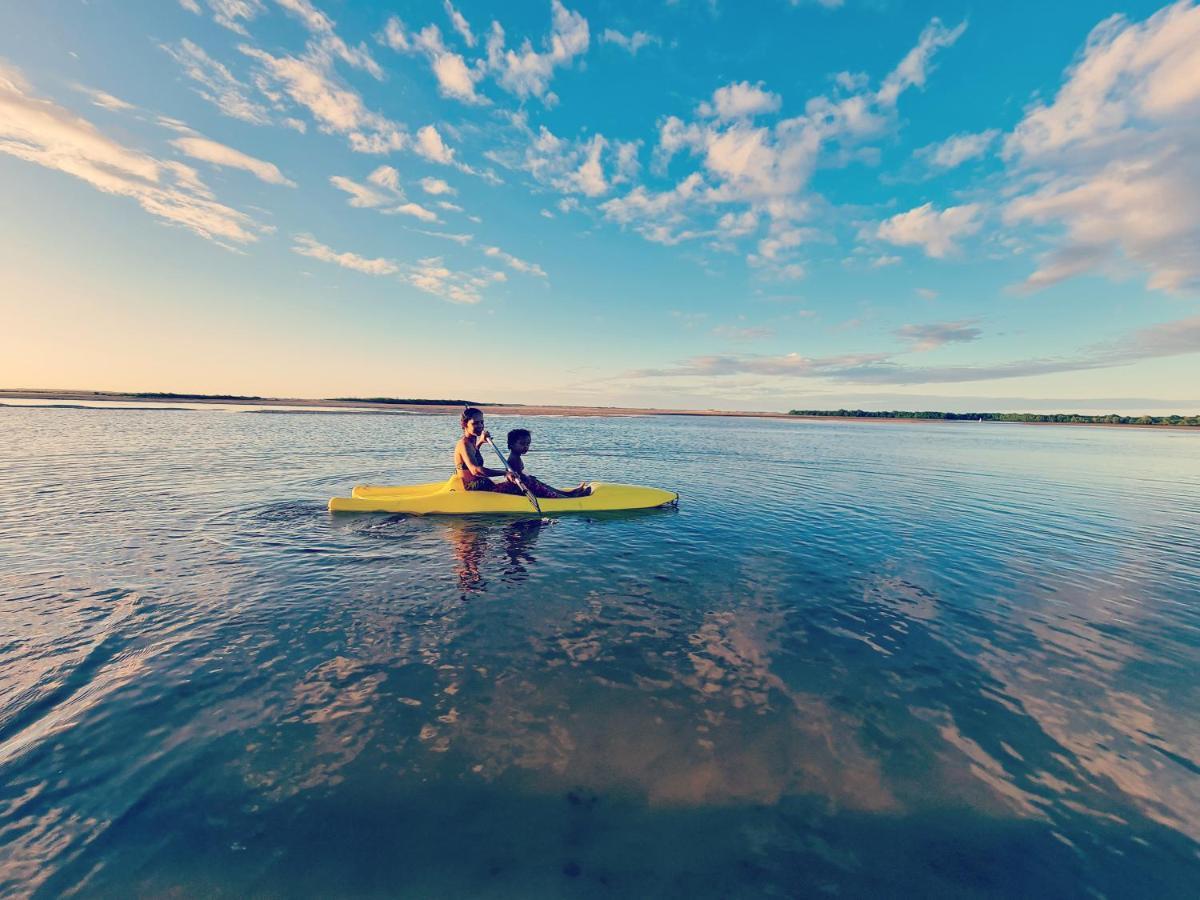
pixel 157 395
pixel 1111 419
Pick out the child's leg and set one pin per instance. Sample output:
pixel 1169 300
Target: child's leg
pixel 539 489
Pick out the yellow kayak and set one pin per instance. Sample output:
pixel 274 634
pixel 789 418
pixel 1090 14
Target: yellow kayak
pixel 449 498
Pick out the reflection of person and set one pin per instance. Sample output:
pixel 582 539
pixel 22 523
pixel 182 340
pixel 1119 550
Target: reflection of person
pixel 519 539
pixel 519 440
pixel 468 458
pixel 470 548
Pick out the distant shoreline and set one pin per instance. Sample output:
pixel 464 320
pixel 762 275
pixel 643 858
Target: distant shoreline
pixel 300 405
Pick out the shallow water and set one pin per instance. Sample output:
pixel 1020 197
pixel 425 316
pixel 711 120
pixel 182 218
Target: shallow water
pixel 859 659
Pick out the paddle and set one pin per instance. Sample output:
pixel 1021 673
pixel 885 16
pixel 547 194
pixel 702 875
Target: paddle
pixel 520 483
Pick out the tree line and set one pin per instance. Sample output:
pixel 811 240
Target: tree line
pixel 1110 419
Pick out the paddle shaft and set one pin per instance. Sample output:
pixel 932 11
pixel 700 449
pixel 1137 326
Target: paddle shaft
pixel 528 493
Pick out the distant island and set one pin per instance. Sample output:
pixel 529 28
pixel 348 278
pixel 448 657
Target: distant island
pixel 1062 418
pixel 418 406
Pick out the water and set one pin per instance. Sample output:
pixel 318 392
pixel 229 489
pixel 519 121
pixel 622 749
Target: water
pixel 859 659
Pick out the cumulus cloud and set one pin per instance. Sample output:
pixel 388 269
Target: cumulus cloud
pixel 590 166
pixel 39 131
pixel 437 187
pixel 1113 162
pixel 416 210
pixel 456 79
pixel 221 155
pixel 740 100
pixel 748 163
pixel 527 72
pixel 631 43
pixel 957 149
pixel 430 274
pixel 923 338
pixel 935 231
pixel 430 145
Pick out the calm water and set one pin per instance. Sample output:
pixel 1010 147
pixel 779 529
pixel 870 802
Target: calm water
pixel 936 660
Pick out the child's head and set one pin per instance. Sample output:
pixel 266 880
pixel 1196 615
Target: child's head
pixel 518 440
pixel 472 420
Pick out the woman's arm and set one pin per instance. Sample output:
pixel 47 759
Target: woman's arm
pixel 464 459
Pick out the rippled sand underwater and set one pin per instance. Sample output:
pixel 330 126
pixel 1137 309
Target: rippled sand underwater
pixel 859 659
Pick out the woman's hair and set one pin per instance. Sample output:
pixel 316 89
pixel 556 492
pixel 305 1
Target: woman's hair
pixel 516 434
pixel 468 414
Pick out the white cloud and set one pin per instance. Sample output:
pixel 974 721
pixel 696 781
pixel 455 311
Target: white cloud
pixel 39 131
pixel 395 35
pixel 326 39
pixel 221 155
pixel 589 167
pixel 360 195
pixel 307 245
pixel 430 274
pixel 461 239
pixel 229 13
pixel 460 23
pixel 384 194
pixel 914 68
pixel 934 231
pixel 217 84
pixel 105 100
pixel 387 177
pixel 526 72
pixel 1114 160
pixel 337 108
pixel 629 42
pixel 451 207
pixel 747 163
pixel 515 263
pixel 416 210
pixel 957 149
pixel 455 78
pixel 740 100
pixel 431 146
pixel 437 187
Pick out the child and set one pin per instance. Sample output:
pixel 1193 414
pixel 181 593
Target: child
pixel 518 445
pixel 468 457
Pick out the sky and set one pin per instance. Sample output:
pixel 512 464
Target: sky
pixel 811 204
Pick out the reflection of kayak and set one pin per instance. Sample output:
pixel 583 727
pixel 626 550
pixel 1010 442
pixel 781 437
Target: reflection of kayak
pixel 449 498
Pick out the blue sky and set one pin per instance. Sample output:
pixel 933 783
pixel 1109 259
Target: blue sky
pixel 687 204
